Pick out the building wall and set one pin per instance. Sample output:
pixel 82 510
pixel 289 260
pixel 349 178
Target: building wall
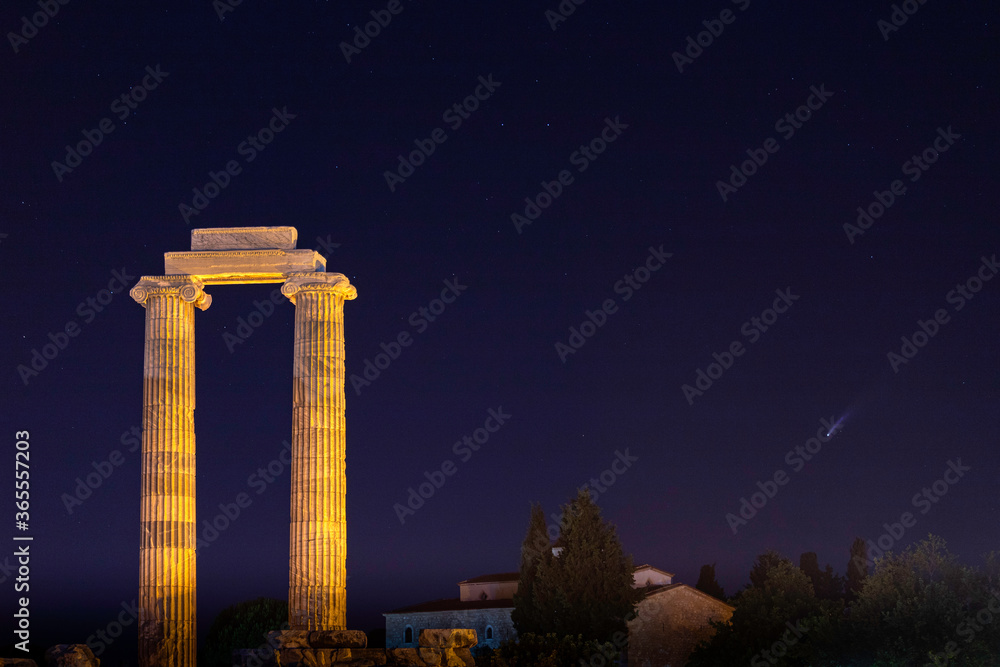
pixel 495 590
pixel 670 624
pixel 648 575
pixel 477 619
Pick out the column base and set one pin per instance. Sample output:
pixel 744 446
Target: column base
pixel 354 657
pixel 346 648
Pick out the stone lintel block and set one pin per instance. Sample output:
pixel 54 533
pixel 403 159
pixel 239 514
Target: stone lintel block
pixel 244 238
pixel 431 656
pixel 70 655
pixel 319 639
pixel 448 638
pixel 267 657
pixel 376 656
pixel 243 267
pixel 338 639
pixel 404 657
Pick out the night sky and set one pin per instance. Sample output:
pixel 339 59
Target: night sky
pixel 691 197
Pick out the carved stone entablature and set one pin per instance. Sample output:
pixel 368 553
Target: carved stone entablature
pixel 242 267
pixel 243 238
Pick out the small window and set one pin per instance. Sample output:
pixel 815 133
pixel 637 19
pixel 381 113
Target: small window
pixel 408 635
pixel 489 632
pixel 484 596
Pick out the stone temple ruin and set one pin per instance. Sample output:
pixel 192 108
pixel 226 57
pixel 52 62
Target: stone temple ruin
pixel 317 535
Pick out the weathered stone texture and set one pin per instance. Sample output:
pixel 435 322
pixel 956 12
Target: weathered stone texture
pixel 670 624
pixel 243 238
pixel 17 662
pixel 478 620
pixel 318 639
pixel 448 638
pixel 242 267
pixel 317 568
pixel 167 575
pixel 70 655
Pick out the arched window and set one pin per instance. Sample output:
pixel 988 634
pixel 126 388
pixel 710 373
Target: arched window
pixel 489 632
pixel 408 635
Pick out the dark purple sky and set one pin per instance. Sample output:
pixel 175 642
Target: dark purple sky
pixel 652 189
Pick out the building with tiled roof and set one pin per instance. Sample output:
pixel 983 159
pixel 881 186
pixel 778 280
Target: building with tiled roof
pixel 670 620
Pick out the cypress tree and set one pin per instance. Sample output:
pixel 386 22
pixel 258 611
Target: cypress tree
pixel 526 617
pixel 707 583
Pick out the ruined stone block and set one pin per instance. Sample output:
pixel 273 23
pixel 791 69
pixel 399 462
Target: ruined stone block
pixel 70 655
pixel 448 638
pixel 243 238
pixel 338 639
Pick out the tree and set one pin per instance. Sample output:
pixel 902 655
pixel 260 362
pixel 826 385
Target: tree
pixel 586 590
pixel 242 625
pixel 774 622
pixel 707 583
pixel 763 565
pixel 826 584
pixel 923 607
pixel 857 568
pixel 526 617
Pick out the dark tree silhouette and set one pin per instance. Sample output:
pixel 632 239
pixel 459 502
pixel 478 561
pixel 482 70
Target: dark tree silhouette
pixel 763 565
pixel 242 625
pixel 826 584
pixel 857 568
pixel 707 583
pixel 526 617
pixel 586 590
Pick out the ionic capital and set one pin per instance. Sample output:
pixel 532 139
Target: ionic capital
pixel 188 288
pixel 337 283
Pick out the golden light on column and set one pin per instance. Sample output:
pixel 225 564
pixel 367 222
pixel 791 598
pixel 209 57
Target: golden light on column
pixel 167 572
pixel 317 591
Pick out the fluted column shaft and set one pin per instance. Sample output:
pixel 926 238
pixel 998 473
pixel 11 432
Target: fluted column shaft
pixel 317 577
pixel 167 574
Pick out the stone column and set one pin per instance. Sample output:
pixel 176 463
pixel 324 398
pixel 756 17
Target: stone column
pixel 167 628
pixel 317 591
